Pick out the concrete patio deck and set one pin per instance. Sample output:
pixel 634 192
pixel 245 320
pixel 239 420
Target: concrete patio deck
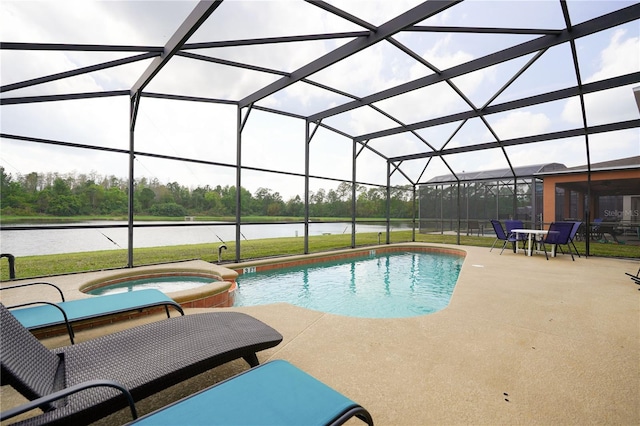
pixel 523 341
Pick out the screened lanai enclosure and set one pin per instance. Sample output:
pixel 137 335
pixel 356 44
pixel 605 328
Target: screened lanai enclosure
pixel 610 191
pixel 486 195
pixel 259 119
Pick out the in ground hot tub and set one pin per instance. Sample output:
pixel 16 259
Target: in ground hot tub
pixel 166 283
pixel 190 288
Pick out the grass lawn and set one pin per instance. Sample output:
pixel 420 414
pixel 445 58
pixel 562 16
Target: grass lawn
pixel 47 265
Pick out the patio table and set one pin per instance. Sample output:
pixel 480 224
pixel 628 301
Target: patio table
pixel 530 233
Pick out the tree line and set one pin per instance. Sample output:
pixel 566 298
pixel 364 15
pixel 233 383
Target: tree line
pixel 53 194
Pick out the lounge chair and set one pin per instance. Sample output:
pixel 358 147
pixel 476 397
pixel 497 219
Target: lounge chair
pixel 42 314
pixel 610 228
pixel 502 236
pixel 275 393
pixel 558 236
pixel 142 360
pixel 635 278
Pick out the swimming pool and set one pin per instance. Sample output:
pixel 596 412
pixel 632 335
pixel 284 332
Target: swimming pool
pixel 382 285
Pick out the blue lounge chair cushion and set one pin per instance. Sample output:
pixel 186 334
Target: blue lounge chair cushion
pixel 39 316
pixel 275 393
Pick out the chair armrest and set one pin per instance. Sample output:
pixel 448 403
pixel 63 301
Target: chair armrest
pixel 64 314
pixel 357 411
pixel 37 403
pixel 38 283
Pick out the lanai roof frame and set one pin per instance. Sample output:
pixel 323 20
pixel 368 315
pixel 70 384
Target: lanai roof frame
pixel 410 20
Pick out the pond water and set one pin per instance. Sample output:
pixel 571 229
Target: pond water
pixel 55 241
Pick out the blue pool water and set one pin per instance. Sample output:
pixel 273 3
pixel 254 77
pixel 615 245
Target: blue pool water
pixel 390 285
pixel 166 284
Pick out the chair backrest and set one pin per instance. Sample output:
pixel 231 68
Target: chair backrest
pixel 596 223
pixel 514 224
pixel 27 365
pixel 559 233
pixel 574 230
pixel 497 227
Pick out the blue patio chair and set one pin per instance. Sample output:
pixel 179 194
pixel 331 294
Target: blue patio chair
pixel 512 224
pixel 558 235
pixel 502 236
pixel 596 232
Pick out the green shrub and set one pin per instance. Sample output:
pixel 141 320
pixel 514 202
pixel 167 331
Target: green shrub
pixel 168 209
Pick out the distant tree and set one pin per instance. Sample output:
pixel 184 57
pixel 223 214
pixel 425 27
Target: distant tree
pixel 91 197
pixel 229 200
pixel 343 191
pixel 61 201
pixel 14 199
pixel 32 182
pixel 61 187
pixel 168 209
pixel 294 207
pixel 179 194
pixel 115 201
pixel 267 203
pixel 316 203
pixel 164 195
pixel 145 196
pixel 91 194
pixel 213 202
pixel 336 205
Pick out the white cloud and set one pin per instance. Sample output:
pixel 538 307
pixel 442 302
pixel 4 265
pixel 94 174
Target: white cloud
pixel 437 99
pixel 621 56
pixel 520 123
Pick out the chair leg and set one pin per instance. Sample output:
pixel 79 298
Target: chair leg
pixel 634 277
pixel 503 246
pixel 570 252
pixel 544 247
pixel 494 243
pixel 575 248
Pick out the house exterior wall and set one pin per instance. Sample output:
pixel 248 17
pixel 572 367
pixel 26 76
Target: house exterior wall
pixel 550 183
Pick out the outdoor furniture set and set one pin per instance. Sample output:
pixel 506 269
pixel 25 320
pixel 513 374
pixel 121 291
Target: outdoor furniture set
pixel 86 381
pixel 559 234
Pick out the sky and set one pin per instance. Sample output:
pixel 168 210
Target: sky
pixel 208 132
